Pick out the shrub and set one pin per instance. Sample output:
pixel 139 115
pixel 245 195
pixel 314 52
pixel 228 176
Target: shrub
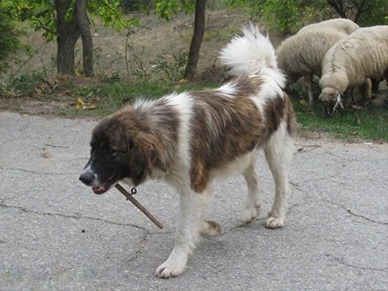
pixel 9 35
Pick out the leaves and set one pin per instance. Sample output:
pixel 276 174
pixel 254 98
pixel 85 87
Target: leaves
pixel 42 14
pixel 167 9
pixel 81 104
pixel 47 153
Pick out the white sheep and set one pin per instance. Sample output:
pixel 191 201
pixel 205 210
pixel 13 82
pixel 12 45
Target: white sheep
pixel 341 24
pixel 361 55
pixel 301 55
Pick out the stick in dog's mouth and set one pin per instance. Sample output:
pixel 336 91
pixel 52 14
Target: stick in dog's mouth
pixel 138 205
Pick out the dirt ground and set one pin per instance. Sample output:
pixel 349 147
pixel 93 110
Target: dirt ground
pixel 154 37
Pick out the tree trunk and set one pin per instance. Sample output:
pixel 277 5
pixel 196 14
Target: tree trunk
pixel 338 6
pixel 66 38
pixel 86 36
pixel 199 29
pixel 68 32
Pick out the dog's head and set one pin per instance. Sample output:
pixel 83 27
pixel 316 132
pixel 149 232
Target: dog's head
pixel 118 151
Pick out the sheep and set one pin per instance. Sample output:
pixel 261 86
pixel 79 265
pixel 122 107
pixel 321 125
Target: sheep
pixel 361 55
pixel 341 24
pixel 301 55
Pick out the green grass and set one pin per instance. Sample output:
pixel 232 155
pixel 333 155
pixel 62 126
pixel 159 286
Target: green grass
pixel 106 98
pixel 365 123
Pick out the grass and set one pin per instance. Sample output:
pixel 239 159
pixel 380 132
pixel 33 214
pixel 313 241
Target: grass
pixel 367 123
pixel 98 99
pixel 104 99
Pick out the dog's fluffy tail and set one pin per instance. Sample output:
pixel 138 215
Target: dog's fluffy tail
pixel 252 54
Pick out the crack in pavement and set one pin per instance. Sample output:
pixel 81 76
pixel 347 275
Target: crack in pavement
pixel 72 216
pixel 301 148
pixel 342 262
pixel 37 173
pixel 140 247
pixel 348 210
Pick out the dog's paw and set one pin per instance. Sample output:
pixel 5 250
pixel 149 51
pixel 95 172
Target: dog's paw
pixel 250 213
pixel 170 269
pixel 274 222
pixel 210 228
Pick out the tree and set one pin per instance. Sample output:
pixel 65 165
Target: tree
pixel 196 41
pixel 9 34
pixel 288 16
pixel 167 8
pixel 68 32
pixel 67 21
pixel 363 12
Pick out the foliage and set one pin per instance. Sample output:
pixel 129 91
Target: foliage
pixel 41 14
pixel 171 65
pixel 9 35
pixel 288 16
pixel 167 9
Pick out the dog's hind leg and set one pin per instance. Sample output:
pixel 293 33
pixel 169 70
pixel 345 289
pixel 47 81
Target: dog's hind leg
pixel 278 152
pixel 252 203
pixel 191 206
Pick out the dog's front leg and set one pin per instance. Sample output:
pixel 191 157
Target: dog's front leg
pixel 191 205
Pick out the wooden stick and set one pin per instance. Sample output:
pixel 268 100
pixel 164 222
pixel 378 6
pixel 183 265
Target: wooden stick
pixel 138 205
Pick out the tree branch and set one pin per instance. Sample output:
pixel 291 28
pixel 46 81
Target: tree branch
pixel 338 7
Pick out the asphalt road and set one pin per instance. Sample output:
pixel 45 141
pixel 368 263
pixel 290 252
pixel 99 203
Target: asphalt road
pixel 55 234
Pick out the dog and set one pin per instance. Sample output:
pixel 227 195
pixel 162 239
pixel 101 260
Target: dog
pixel 191 138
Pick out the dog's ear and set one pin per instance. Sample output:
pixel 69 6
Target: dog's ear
pixel 143 158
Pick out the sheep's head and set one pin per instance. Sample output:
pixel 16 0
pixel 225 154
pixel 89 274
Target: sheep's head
pixel 332 99
pixel 329 95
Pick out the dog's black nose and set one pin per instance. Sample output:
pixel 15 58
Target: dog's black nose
pixel 87 178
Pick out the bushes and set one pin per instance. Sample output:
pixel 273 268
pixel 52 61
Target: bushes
pixel 9 33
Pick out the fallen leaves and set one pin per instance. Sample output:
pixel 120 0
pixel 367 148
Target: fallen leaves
pixel 47 153
pixel 81 104
pixel 46 87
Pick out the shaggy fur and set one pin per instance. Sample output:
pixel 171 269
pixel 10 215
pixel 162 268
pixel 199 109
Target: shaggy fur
pixel 361 55
pixel 189 139
pixel 301 55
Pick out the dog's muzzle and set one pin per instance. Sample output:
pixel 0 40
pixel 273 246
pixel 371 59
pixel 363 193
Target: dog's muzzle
pixel 88 177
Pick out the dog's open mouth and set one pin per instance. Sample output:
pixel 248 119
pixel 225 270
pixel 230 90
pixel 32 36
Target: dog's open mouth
pixel 105 186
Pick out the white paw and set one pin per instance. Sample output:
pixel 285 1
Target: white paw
pixel 274 222
pixel 170 269
pixel 251 213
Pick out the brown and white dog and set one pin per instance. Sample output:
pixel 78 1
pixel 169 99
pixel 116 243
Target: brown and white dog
pixel 191 138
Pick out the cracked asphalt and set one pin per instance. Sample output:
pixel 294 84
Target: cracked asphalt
pixel 55 234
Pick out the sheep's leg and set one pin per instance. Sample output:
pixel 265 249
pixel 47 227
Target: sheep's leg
pixel 367 89
pixel 309 88
pixel 386 76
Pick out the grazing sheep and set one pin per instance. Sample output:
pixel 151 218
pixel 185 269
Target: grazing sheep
pixel 361 55
pixel 301 55
pixel 341 24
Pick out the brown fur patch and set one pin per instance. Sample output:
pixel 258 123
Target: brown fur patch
pixel 223 128
pixel 210 228
pixel 290 118
pixel 150 131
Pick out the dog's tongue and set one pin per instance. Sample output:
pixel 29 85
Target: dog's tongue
pixel 100 189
